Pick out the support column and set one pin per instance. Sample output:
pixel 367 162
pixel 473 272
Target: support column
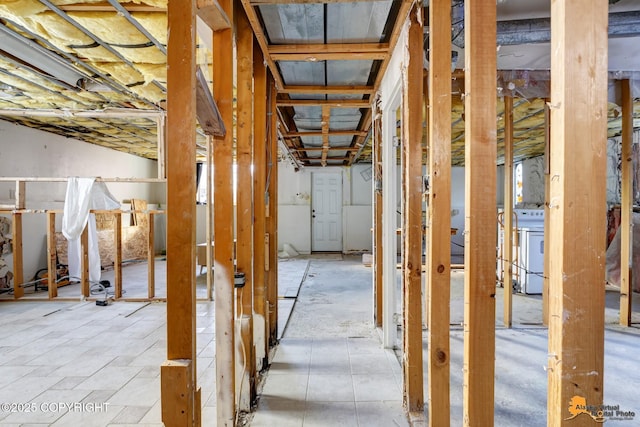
pixel 117 259
pixel 151 257
pixel 18 267
pixel 626 220
pixel 377 214
pixel 412 233
pixel 577 208
pixel 480 205
pixel 209 221
pixel 245 360
pixel 439 231
pixel 52 264
pixel 260 331
pixel 223 226
pixel 178 374
pixel 272 221
pixel 507 240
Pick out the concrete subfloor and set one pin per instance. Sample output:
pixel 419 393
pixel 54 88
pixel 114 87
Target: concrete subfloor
pixel 329 368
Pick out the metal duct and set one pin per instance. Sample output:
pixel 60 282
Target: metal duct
pixel 527 31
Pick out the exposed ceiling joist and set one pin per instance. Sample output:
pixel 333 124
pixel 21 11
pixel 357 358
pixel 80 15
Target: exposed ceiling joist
pixel 315 48
pixel 261 2
pixel 328 56
pixel 328 90
pixel 333 103
pixel 330 133
pixel 330 149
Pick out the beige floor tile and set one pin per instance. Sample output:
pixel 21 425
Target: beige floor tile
pixel 330 414
pixel 330 388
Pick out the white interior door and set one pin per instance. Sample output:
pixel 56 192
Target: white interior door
pixel 326 212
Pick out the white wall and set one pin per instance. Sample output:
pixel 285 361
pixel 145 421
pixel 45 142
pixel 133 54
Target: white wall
pixel 26 152
pixel 294 207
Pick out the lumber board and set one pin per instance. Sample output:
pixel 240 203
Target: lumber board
pixel 244 211
pixel 151 257
pixel 52 265
pixel 328 90
pixel 212 15
pixel 223 65
pixel 547 229
pixel 480 198
pixel 21 194
pixel 117 253
pixel 377 223
pixel 412 260
pixel 259 188
pixel 439 234
pixel 326 116
pixel 209 222
pixel 18 267
pixel 175 378
pixel 626 209
pixel 333 103
pixel 272 222
pixel 181 213
pixel 577 207
pixel 206 108
pixel 84 261
pixel 507 246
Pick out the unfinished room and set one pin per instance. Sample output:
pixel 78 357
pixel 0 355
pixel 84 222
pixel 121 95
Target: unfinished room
pixel 302 213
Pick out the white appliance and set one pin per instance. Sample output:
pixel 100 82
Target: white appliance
pixel 528 249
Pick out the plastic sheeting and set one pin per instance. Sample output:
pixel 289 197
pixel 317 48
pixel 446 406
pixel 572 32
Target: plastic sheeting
pixel 84 194
pixel 613 257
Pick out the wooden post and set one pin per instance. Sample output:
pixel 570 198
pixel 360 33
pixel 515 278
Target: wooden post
pixel 223 225
pixel 626 220
pixel 21 195
pixel 52 264
pixel 151 257
pixel 507 251
pixel 244 212
pixel 84 261
pixel 162 135
pixel 209 221
pixel 272 221
pixel 412 260
pixel 439 231
pixel 579 45
pixel 480 205
pixel 117 259
pixel 260 331
pixel 547 229
pixel 181 219
pixel 18 267
pixel 377 213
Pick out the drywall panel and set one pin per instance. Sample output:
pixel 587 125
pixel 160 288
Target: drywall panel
pixel 294 227
pixel 361 182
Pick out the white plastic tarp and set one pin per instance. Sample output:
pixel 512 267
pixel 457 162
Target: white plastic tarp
pixel 84 194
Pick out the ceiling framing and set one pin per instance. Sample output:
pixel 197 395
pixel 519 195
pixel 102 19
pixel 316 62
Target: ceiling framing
pixel 108 87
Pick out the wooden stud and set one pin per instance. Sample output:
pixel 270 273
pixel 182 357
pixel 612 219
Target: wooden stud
pixel 175 378
pixel 84 261
pixel 223 226
pixel 212 14
pixel 439 241
pixel 162 139
pixel 326 116
pixel 244 210
pixel 579 44
pixel 412 260
pixel 21 194
pixel 507 246
pixel 626 220
pixel 377 219
pixel 480 198
pixel 547 229
pixel 260 331
pixel 209 222
pixel 272 222
pixel 151 257
pixel 117 258
pixel 181 216
pixel 403 11
pixel 329 56
pixel 18 267
pixel 52 264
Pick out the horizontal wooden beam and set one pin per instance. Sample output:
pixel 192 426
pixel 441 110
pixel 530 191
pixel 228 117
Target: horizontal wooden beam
pixel 330 148
pixel 329 48
pixel 212 14
pixel 329 90
pixel 328 56
pixel 260 2
pixel 330 133
pixel 328 159
pixel 333 103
